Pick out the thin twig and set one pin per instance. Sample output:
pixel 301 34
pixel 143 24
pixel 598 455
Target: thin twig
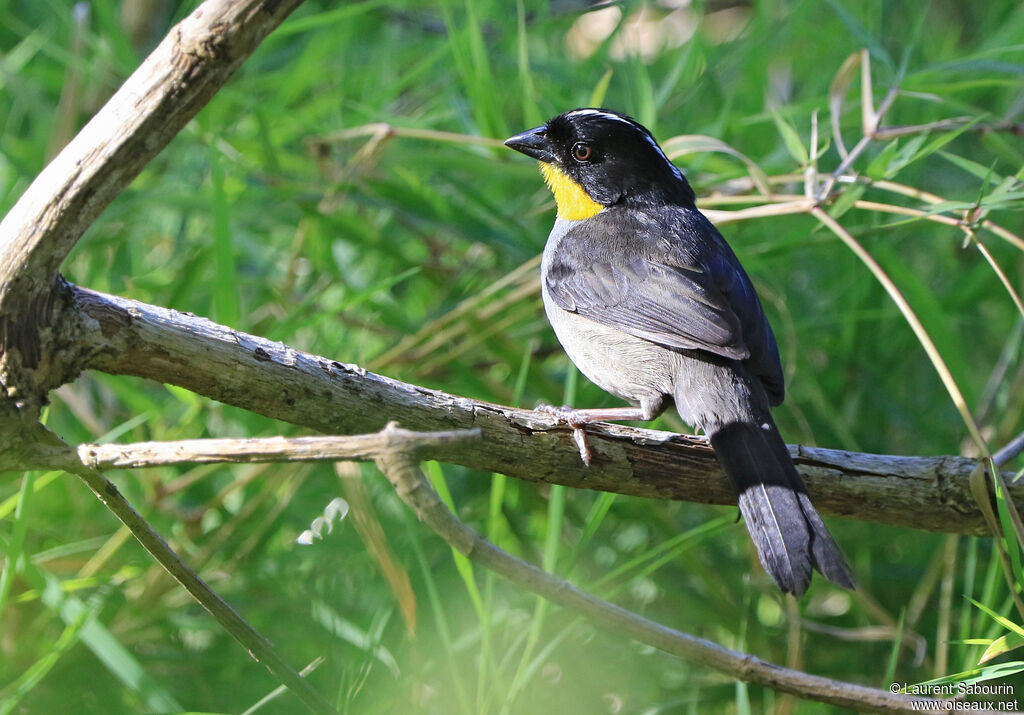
pixel 1011 450
pixel 1003 233
pixel 410 484
pixel 263 449
pixel 787 208
pixel 884 133
pixel 747 184
pixel 379 131
pixel 996 268
pixel 909 639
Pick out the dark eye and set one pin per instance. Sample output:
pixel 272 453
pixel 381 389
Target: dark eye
pixel 581 152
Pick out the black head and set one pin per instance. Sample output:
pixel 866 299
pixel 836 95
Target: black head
pixel 611 156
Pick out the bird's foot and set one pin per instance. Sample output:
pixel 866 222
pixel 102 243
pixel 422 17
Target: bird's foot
pixel 574 419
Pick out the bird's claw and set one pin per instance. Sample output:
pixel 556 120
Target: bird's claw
pixel 581 441
pixel 571 418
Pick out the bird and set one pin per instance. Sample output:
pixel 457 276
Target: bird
pixel 653 306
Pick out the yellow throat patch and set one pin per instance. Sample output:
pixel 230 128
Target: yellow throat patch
pixel 573 202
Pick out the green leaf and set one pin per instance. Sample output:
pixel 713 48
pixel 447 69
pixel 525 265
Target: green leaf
pixel 894 652
pixel 13 551
pixel 846 200
pixel 879 167
pixel 975 675
pixel 837 94
pixel 1009 521
pixel 601 88
pixel 789 135
pixel 905 155
pixel 353 634
pixel 1001 620
pixel 861 36
pixel 942 140
pixel 227 307
pixel 1003 644
pixel 462 564
pixel 971 167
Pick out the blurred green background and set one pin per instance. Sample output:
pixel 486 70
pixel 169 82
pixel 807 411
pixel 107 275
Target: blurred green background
pixel 288 210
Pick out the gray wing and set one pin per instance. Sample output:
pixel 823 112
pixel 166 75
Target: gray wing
pixel 689 293
pixel 672 305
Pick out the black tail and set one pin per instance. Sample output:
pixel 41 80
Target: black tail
pixel 787 531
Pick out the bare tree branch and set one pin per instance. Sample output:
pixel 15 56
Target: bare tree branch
pixel 122 336
pixel 410 484
pixel 194 61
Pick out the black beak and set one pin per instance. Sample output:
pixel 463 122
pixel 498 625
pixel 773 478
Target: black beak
pixel 533 142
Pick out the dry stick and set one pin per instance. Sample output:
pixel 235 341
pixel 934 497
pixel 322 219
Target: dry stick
pixel 264 449
pixel 746 183
pixel 1003 233
pixel 1011 450
pixel 410 484
pixel 996 268
pixel 884 133
pixel 859 147
pixel 387 131
pixel 122 336
pixel 261 649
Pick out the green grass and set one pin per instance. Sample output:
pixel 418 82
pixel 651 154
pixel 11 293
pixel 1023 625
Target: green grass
pixel 260 217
